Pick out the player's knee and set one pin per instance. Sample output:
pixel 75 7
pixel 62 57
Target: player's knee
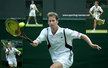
pixel 95 20
pixel 11 65
pixel 29 16
pixel 56 65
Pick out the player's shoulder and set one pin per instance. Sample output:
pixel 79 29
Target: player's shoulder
pixel 44 30
pixel 93 6
pixel 13 48
pixel 68 31
pixel 32 4
pixel 99 6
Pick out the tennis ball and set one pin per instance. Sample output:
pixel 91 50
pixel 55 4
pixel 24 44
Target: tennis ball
pixel 21 24
pixel 9 43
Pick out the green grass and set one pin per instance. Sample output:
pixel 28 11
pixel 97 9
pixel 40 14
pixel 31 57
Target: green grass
pixel 34 25
pixel 96 31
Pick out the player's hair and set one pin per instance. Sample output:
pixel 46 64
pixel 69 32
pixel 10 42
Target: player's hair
pixel 50 14
pixel 97 2
pixel 32 0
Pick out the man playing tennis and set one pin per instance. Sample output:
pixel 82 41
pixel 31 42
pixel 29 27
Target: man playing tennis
pixel 60 42
pixel 97 12
pixel 32 12
pixel 10 55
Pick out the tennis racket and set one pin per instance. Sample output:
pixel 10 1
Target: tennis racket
pixel 4 44
pixel 12 27
pixel 40 14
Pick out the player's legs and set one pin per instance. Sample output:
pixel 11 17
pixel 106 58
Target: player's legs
pixel 15 63
pixel 10 63
pixel 94 24
pixel 56 65
pixel 28 19
pixel 35 19
pixel 63 61
pixel 101 21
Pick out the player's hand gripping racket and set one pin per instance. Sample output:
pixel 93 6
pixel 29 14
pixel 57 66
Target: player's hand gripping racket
pixel 5 45
pixel 12 27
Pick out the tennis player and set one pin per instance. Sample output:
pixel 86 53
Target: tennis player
pixel 60 42
pixel 32 12
pixel 10 55
pixel 97 12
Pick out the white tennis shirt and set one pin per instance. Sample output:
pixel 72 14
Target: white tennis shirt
pixel 11 54
pixel 31 7
pixel 96 10
pixel 57 41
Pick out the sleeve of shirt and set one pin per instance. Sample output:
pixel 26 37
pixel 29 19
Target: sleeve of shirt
pixel 42 36
pixel 73 34
pixel 6 50
pixel 100 9
pixel 35 6
pixel 16 50
pixel 30 7
pixel 91 9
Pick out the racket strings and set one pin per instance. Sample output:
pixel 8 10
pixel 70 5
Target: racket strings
pixel 12 27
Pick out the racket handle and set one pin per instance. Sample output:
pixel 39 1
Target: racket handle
pixel 30 40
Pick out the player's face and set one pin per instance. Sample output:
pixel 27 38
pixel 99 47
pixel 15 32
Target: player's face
pixel 10 45
pixel 52 21
pixel 96 4
pixel 32 2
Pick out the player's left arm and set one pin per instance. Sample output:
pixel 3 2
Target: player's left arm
pixel 18 52
pixel 87 39
pixel 36 9
pixel 76 35
pixel 101 11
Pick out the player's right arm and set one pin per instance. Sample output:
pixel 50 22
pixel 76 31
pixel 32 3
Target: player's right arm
pixel 31 7
pixel 35 43
pixel 7 51
pixel 90 11
pixel 40 38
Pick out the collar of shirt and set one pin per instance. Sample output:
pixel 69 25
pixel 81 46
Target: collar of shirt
pixel 58 31
pixel 10 49
pixel 95 6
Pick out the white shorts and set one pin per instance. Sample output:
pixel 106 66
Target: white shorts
pixel 32 13
pixel 64 60
pixel 96 16
pixel 12 61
